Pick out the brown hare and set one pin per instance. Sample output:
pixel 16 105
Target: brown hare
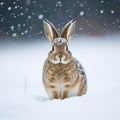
pixel 63 75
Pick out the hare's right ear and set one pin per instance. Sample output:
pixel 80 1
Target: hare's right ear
pixel 49 30
pixel 68 30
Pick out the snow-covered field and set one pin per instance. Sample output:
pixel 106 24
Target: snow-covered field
pixel 101 60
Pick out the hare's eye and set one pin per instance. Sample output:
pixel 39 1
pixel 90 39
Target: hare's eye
pixel 66 48
pixel 52 48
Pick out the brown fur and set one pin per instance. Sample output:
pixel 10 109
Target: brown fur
pixel 61 75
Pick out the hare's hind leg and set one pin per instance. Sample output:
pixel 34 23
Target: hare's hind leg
pixel 83 89
pixel 66 86
pixel 52 90
pixel 65 94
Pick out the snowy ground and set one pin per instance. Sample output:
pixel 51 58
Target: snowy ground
pixel 101 60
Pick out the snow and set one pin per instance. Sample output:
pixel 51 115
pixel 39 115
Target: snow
pixel 81 28
pixel 21 14
pixel 100 58
pixel 14 2
pixel 14 34
pixel 29 17
pixel 112 11
pixel 14 16
pixel 81 5
pixel 58 4
pixel 9 8
pixel 19 25
pixel 2 20
pixel 101 11
pixel 2 3
pixel 117 20
pixel 12 28
pixel 81 13
pixel 26 31
pixel 40 16
pixel 22 33
pixel 102 1
pixel 28 2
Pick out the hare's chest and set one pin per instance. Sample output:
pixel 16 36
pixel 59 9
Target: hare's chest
pixel 65 72
pixel 59 71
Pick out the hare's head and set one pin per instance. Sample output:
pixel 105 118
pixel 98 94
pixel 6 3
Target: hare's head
pixel 60 52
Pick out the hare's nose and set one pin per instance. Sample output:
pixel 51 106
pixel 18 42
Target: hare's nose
pixel 60 56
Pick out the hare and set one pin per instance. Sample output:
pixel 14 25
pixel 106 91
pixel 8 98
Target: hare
pixel 63 75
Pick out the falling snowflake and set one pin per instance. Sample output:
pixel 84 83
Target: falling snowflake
pixel 112 11
pixel 76 35
pixel 14 34
pixel 16 7
pixel 59 4
pixel 101 11
pixel 41 32
pixel 40 16
pixel 33 13
pixel 19 25
pixel 28 2
pixel 21 14
pixel 102 1
pixel 34 2
pixel 9 8
pixel 67 11
pixel 14 2
pixel 24 25
pixel 26 31
pixel 81 5
pixel 81 13
pixel 81 28
pixel 22 33
pixel 2 3
pixel 29 17
pixel 2 20
pixel 14 16
pixel 117 20
pixel 12 28
pixel 113 22
pixel 21 7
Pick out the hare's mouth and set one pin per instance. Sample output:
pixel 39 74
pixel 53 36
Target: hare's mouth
pixel 61 60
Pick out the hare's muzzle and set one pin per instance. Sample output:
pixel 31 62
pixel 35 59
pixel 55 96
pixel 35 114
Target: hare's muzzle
pixel 60 56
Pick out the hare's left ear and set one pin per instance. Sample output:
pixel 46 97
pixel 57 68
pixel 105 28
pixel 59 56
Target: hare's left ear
pixel 49 30
pixel 68 30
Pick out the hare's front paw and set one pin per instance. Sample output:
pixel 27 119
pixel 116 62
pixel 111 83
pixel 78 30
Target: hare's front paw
pixel 52 94
pixel 64 94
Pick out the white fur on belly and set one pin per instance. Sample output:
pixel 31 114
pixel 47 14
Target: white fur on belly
pixel 74 91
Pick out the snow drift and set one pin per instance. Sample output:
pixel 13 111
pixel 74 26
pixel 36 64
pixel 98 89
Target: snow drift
pixel 22 95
